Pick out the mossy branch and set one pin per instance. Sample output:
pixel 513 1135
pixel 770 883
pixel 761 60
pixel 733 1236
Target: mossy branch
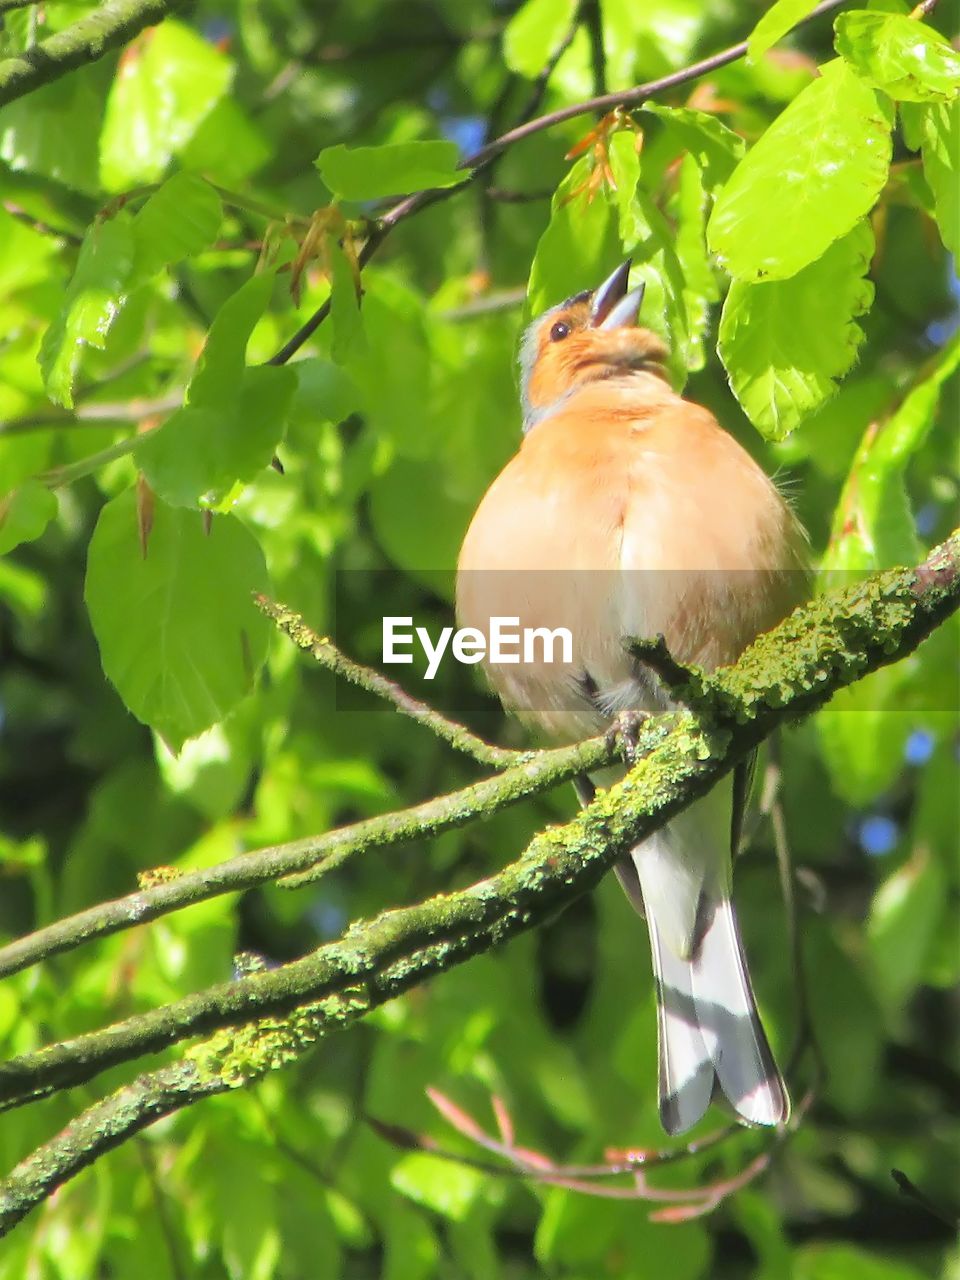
pixel 298 862
pixel 86 40
pixel 269 1017
pixel 786 673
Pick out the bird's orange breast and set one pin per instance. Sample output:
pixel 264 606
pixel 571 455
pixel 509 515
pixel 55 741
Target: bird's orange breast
pixel 627 515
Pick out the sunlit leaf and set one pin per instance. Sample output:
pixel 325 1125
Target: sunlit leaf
pixel 700 287
pixel 177 221
pixel 785 343
pixel 345 312
pixel 940 145
pixel 904 915
pixel 93 298
pixel 25 513
pixel 179 635
pixel 808 181
pixel 447 1188
pixel 201 451
pixel 580 245
pixel 781 17
pixel 873 525
pixel 714 147
pixel 534 33
pixel 216 379
pixel 167 83
pixel 368 173
pixel 900 55
pixel 647 239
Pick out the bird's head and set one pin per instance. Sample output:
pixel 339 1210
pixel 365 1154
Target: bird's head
pixel 591 336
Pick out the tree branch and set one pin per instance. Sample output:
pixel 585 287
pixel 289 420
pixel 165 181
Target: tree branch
pixel 785 674
pixel 328 655
pixel 87 40
pixel 303 861
pixel 481 159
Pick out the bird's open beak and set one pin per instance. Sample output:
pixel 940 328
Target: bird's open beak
pixel 612 306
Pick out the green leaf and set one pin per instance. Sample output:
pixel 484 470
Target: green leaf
pixel 325 393
pixel 873 526
pixel 843 1262
pixel 646 237
pixel 445 1187
pixel 369 173
pixel 167 83
pixel 941 166
pixel 846 1020
pixel 200 452
pixel 715 148
pixel 42 133
pixel 904 917
pixel 25 513
pixel 809 180
pixel 699 281
pixel 345 313
pixel 411 1249
pixel 785 343
pixel 179 635
pixel 234 416
pixel 780 18
pixel 179 220
pixel 863 734
pixel 903 57
pixel 580 245
pixel 534 33
pixel 425 545
pixel 223 360
pixel 94 296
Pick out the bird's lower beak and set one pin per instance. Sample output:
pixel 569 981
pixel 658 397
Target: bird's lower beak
pixel 607 295
pixel 625 312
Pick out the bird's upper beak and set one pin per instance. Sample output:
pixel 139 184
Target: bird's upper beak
pixel 612 306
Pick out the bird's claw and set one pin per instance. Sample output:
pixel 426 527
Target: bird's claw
pixel 624 730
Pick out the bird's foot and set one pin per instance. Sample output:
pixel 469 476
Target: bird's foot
pixel 624 730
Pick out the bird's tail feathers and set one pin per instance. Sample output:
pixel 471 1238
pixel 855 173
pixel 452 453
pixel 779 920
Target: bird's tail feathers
pixel 709 1032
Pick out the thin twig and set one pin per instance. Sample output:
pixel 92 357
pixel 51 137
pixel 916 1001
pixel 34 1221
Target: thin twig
pixel 328 655
pixel 501 195
pixel 38 224
pixel 913 1192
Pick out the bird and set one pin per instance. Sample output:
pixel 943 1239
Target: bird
pixel 628 511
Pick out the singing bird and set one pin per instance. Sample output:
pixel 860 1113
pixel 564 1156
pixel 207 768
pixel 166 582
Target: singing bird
pixel 629 512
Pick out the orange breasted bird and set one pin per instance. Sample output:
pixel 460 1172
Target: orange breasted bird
pixel 629 512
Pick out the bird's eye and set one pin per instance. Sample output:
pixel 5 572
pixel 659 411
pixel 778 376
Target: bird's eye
pixel 559 331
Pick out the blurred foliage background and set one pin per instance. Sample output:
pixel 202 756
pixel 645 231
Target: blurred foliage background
pixel 138 194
